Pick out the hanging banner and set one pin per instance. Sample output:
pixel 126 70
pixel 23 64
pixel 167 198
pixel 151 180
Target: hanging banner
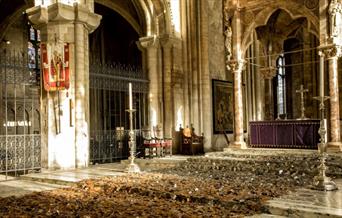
pixel 55 67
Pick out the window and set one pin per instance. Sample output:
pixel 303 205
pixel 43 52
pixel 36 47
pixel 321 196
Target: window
pixel 33 53
pixel 281 86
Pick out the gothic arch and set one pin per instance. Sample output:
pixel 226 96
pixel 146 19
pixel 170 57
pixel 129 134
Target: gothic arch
pixel 9 20
pixel 125 14
pixel 295 10
pixel 147 11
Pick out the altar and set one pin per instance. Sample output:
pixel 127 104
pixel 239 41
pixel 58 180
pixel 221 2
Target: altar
pixel 295 134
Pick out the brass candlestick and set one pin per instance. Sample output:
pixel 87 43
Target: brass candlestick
pixel 132 167
pixel 321 181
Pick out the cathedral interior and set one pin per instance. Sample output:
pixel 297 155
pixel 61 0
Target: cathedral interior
pixel 89 83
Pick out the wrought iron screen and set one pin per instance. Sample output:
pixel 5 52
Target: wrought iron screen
pixel 20 144
pixel 108 102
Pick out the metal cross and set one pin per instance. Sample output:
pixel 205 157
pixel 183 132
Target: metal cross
pixel 302 109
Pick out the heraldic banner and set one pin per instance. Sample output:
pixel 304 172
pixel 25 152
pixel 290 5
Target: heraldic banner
pixel 55 66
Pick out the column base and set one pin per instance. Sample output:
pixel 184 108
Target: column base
pixel 334 147
pixel 238 145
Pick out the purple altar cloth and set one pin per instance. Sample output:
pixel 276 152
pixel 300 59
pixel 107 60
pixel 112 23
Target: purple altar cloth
pixel 300 134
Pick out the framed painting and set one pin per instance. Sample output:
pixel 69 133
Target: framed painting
pixel 222 106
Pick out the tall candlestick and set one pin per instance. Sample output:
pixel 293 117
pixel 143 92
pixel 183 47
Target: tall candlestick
pixel 321 74
pixel 132 167
pixel 130 96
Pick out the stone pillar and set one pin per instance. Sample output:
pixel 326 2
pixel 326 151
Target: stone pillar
pixel 269 103
pixel 259 86
pixel 150 47
pixel 268 73
pixel 332 53
pixel 168 122
pixel 65 113
pixel 236 67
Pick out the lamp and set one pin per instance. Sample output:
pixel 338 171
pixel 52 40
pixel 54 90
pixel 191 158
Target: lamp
pixel 7 42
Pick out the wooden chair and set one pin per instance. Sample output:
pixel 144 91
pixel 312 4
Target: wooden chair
pixel 159 137
pixel 150 145
pixel 190 142
pixel 168 146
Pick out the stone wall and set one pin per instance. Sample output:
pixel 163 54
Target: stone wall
pixel 217 59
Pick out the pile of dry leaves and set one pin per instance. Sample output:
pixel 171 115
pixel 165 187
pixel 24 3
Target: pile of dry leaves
pixel 199 187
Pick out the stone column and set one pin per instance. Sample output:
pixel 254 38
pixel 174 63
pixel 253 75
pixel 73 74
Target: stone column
pixel 332 53
pixel 168 122
pixel 150 47
pixel 268 73
pixel 65 113
pixel 259 86
pixel 236 67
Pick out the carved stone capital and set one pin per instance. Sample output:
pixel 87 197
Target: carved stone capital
pixel 321 53
pixel 148 42
pixel 168 41
pixel 62 13
pixel 236 66
pixel 268 72
pixel 331 51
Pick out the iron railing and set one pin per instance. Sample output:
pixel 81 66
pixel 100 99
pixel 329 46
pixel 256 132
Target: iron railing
pixel 107 146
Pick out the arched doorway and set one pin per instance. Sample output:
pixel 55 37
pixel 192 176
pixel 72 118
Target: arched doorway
pixel 115 61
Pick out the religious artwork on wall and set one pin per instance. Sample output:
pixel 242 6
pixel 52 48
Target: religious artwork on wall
pixel 55 65
pixel 222 106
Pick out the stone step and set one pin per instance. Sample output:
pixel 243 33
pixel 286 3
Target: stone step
pixel 71 177
pixel 23 187
pixel 153 164
pixel 308 203
pixel 264 215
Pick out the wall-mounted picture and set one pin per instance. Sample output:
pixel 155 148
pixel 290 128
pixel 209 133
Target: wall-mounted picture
pixel 222 106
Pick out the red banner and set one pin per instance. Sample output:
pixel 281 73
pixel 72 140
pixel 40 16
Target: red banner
pixel 55 67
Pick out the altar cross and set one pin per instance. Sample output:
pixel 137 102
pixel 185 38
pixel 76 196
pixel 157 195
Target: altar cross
pixel 302 109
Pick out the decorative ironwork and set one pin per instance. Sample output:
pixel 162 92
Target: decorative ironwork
pixel 20 141
pixel 108 101
pixel 20 153
pixel 108 146
pixel 14 69
pixel 117 76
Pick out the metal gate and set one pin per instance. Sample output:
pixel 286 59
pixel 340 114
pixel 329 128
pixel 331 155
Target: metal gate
pixel 109 122
pixel 20 144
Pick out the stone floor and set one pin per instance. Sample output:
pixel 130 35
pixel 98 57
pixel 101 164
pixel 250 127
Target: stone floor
pixel 309 203
pixel 23 187
pixel 299 203
pixel 52 179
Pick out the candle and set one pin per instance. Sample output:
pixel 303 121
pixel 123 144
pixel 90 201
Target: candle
pixel 130 96
pixel 321 74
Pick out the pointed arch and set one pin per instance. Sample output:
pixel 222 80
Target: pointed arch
pixel 295 11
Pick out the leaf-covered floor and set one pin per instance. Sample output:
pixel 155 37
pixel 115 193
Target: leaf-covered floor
pixel 197 188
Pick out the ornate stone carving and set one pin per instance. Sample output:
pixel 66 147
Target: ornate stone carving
pixel 236 66
pixel 148 41
pixel 268 72
pixel 332 51
pixel 228 34
pixel 247 17
pixel 335 18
